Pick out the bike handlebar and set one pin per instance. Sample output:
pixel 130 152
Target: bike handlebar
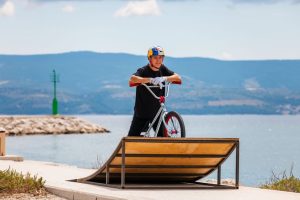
pixel 148 87
pixel 132 84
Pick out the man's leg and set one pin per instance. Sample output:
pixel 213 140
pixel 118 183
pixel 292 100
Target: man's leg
pixel 138 125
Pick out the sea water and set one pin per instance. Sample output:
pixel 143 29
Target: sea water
pixel 267 143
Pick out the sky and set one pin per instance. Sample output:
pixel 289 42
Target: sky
pixel 221 29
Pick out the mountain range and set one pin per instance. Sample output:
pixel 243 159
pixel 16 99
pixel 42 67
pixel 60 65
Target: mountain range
pixel 97 83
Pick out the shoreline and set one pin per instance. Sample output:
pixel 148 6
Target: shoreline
pixel 19 125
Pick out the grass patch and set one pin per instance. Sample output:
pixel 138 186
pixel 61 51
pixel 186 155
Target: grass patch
pixel 283 182
pixel 13 182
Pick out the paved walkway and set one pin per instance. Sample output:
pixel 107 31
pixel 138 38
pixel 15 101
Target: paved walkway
pixel 57 174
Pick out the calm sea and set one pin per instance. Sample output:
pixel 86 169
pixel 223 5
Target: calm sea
pixel 267 143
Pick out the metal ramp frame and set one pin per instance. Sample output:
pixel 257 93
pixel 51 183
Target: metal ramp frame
pixel 166 163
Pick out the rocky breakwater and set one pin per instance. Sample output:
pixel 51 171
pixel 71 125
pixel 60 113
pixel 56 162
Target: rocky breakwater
pixel 32 125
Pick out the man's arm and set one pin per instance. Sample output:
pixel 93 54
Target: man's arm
pixel 138 79
pixel 173 78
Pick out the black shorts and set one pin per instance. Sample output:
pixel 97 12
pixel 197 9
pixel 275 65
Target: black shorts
pixel 139 125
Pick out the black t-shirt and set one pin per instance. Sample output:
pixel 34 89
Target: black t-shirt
pixel 146 106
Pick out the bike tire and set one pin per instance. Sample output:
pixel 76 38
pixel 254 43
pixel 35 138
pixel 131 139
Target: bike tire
pixel 175 121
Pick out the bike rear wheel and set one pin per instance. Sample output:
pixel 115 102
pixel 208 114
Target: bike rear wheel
pixel 175 126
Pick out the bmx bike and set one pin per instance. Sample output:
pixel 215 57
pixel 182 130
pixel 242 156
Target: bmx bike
pixel 172 121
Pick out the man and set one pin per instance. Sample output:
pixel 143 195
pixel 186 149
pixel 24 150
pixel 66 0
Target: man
pixel 146 106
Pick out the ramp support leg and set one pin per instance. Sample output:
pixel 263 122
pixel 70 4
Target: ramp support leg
pixel 2 143
pixel 123 165
pixel 237 164
pixel 107 174
pixel 219 175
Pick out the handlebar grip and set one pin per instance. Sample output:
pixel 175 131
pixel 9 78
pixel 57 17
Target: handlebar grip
pixel 177 82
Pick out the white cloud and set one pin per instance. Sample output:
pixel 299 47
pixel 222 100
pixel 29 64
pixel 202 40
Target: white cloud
pixel 7 9
pixel 226 56
pixel 148 7
pixel 68 8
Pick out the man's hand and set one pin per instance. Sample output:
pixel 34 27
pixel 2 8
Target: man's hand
pixel 158 81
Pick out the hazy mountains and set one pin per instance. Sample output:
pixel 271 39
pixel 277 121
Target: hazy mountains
pixel 98 83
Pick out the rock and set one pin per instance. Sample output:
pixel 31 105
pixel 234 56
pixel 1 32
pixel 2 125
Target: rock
pixel 31 125
pixel 223 181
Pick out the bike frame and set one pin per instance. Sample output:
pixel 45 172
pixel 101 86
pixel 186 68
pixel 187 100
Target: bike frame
pixel 162 111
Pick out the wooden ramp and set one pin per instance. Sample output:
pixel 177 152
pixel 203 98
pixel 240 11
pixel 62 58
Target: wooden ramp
pixel 166 163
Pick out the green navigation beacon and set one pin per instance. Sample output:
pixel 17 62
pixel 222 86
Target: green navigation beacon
pixel 54 79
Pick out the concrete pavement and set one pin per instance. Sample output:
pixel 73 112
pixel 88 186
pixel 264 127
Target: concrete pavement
pixel 56 176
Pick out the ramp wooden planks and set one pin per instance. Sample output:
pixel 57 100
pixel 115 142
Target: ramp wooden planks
pixel 170 161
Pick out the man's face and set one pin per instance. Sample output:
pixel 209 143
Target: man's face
pixel 156 61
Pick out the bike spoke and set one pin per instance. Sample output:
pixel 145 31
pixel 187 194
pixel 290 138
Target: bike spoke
pixel 172 121
pixel 174 126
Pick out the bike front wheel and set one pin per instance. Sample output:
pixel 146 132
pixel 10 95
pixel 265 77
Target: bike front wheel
pixel 175 126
